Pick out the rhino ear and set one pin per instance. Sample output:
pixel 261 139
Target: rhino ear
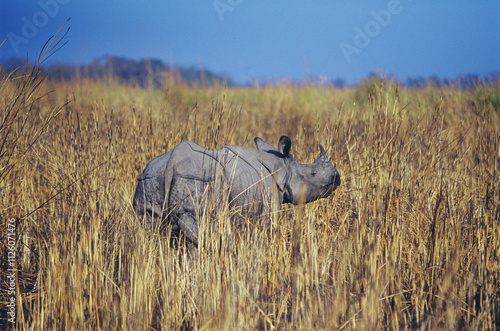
pixel 262 145
pixel 284 145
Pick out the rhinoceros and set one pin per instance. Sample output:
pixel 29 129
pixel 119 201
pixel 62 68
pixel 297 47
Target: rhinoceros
pixel 178 185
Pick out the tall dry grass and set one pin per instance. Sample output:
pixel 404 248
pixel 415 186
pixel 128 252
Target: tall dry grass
pixel 410 240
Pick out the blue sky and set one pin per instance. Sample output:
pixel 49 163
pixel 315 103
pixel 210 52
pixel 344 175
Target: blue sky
pixel 266 40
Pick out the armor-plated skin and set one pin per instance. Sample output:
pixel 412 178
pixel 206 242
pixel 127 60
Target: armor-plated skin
pixel 179 185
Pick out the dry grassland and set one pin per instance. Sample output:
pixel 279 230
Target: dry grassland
pixel 410 240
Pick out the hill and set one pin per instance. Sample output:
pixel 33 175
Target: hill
pixel 146 73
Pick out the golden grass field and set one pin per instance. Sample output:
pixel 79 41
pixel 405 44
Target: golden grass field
pixel 410 239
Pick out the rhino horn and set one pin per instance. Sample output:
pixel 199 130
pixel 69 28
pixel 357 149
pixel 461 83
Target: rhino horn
pixel 322 155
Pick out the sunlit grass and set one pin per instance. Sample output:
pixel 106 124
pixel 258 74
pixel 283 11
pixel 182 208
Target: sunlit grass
pixel 410 240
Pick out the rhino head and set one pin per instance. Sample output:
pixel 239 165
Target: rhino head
pixel 305 182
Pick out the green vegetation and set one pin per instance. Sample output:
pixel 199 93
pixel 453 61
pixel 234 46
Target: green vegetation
pixel 410 240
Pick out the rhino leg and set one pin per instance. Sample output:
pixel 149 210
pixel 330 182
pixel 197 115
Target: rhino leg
pixel 189 226
pixel 185 201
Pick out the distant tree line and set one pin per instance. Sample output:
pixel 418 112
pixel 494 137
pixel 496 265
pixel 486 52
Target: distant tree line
pixel 466 81
pixel 152 73
pixel 146 73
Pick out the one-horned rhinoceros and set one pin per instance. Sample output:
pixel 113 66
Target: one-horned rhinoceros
pixel 178 185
